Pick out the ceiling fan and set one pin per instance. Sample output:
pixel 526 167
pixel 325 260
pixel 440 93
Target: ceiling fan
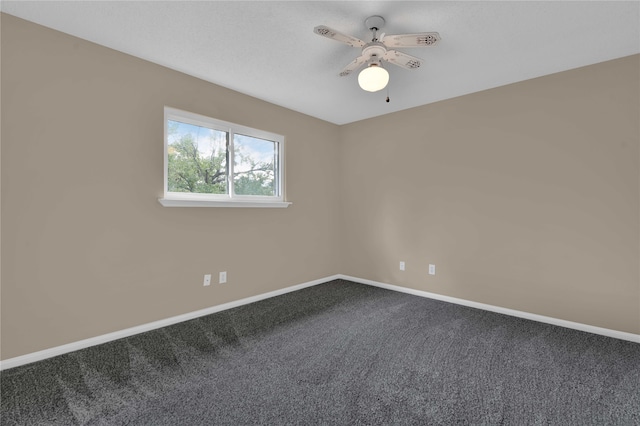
pixel 375 77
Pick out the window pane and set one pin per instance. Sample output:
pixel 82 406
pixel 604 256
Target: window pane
pixel 197 159
pixel 255 166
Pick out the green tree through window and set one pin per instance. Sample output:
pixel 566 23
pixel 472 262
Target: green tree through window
pixel 198 161
pixel 254 171
pixel 191 169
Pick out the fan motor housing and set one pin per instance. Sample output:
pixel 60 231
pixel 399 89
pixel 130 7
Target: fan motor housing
pixel 374 50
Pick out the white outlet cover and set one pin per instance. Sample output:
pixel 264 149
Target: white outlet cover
pixel 402 266
pixel 222 277
pixel 432 269
pixel 207 280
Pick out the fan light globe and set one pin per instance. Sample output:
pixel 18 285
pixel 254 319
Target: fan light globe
pixel 373 78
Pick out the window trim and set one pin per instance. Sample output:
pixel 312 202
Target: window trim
pixel 185 199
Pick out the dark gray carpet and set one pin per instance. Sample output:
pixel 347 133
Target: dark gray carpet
pixel 337 353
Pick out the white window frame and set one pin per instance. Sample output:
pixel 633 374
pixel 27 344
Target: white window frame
pixel 184 199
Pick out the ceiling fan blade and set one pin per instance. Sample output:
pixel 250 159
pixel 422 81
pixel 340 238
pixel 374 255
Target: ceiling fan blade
pixel 357 63
pixel 402 59
pixel 338 36
pixel 412 40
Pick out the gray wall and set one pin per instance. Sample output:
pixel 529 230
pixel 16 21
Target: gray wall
pixel 525 196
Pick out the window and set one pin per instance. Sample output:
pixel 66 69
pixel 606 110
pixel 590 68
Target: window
pixel 212 163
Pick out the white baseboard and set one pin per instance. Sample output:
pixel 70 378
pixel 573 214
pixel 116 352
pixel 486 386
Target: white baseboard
pixel 60 350
pixel 512 312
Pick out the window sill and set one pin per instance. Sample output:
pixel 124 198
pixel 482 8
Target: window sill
pixel 174 202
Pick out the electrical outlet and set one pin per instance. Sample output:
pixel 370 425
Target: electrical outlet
pixel 432 269
pixel 207 280
pixel 223 277
pixel 402 266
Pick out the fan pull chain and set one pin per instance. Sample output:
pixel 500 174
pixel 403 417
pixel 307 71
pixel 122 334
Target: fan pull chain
pixel 387 93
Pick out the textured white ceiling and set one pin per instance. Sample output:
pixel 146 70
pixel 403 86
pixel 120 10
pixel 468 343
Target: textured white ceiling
pixel 267 49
